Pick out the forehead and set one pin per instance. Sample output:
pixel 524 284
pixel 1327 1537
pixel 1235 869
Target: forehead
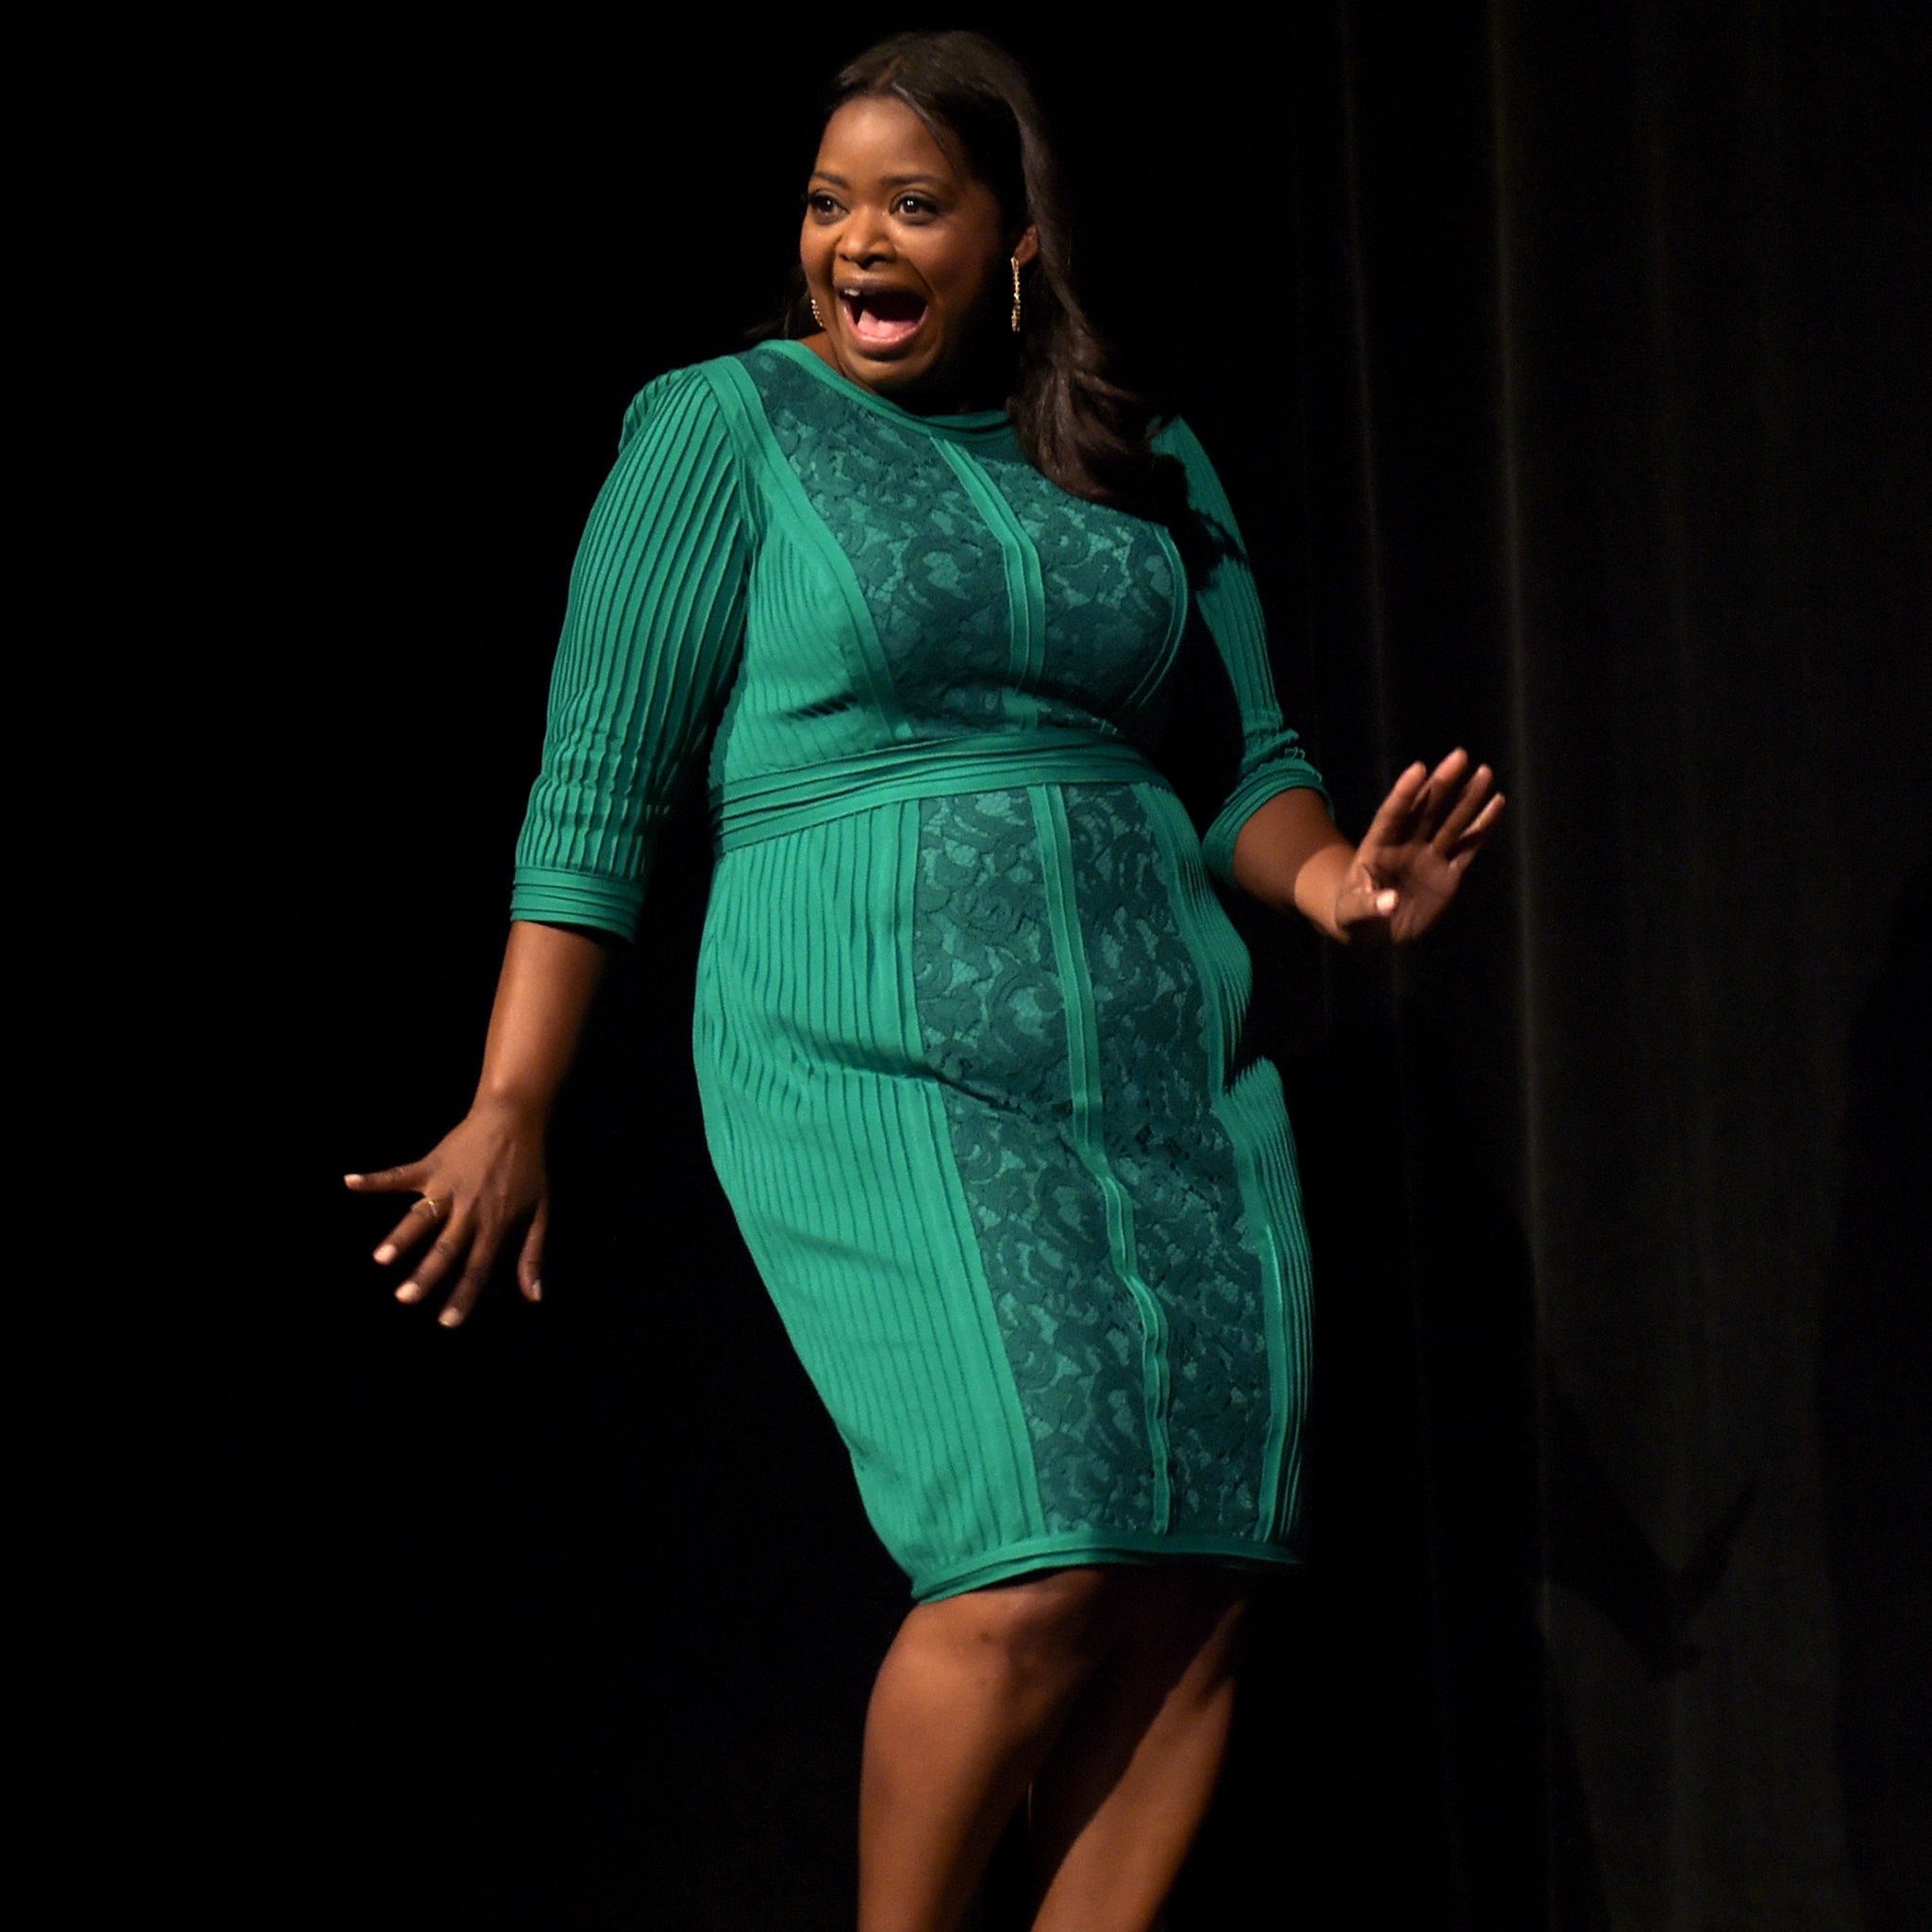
pixel 879 136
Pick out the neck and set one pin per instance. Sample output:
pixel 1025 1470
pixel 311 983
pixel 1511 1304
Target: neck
pixel 986 385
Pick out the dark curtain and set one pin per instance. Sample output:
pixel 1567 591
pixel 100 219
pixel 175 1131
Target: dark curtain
pixel 1566 366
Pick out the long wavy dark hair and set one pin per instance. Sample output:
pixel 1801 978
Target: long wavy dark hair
pixel 1077 425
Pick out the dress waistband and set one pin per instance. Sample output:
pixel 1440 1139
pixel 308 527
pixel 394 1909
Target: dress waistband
pixel 765 807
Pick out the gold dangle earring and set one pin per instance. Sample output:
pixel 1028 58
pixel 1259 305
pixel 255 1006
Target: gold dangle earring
pixel 818 319
pixel 1016 294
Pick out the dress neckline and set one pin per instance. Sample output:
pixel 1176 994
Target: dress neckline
pixel 978 422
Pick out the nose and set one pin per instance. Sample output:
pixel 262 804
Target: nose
pixel 865 237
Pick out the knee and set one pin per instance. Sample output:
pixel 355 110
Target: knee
pixel 1041 1625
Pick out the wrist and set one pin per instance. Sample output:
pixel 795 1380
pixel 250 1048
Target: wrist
pixel 1318 886
pixel 506 1099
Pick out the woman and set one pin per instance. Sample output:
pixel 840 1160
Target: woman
pixel 967 1004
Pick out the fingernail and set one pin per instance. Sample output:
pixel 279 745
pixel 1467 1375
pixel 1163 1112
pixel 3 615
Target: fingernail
pixel 409 1291
pixel 536 1290
pixel 387 1253
pixel 1384 902
pixel 351 1180
pixel 448 1319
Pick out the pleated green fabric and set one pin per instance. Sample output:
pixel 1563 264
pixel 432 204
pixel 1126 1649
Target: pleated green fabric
pixel 968 1006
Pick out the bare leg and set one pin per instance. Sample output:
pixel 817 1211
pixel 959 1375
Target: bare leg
pixel 969 1701
pixel 1118 1803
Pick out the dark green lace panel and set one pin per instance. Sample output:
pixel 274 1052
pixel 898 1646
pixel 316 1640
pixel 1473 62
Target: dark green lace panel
pixel 992 1020
pixel 1174 1158
pixel 1110 583
pixel 930 570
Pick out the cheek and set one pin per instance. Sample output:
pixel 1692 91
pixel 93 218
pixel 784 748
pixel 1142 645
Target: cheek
pixel 950 277
pixel 976 275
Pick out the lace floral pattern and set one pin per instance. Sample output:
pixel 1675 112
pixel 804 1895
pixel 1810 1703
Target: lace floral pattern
pixel 1109 587
pixel 992 1018
pixel 1173 1156
pixel 930 566
pixel 926 561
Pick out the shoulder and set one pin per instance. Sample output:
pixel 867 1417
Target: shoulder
pixel 1207 496
pixel 696 396
pixel 695 431
pixel 1172 436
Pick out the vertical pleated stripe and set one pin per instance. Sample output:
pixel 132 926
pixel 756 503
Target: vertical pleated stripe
pixel 1272 756
pixel 827 1137
pixel 1257 1121
pixel 651 638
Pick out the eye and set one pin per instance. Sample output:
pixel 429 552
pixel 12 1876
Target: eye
pixel 915 205
pixel 819 203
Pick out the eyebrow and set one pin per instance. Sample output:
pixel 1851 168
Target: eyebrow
pixel 891 180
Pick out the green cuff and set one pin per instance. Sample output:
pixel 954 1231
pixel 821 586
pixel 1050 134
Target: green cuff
pixel 553 897
pixel 1254 792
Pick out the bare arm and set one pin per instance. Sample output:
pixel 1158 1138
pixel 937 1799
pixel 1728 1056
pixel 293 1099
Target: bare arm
pixel 486 1178
pixel 550 975
pixel 1399 881
pixel 1290 856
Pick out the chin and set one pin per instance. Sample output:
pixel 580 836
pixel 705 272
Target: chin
pixel 887 373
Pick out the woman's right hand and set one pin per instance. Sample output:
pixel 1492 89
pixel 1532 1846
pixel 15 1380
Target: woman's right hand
pixel 481 1184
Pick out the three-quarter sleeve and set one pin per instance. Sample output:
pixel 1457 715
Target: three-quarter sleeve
pixel 1271 757
pixel 652 635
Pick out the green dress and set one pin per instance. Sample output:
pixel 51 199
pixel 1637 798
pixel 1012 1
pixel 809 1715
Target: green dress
pixel 967 1004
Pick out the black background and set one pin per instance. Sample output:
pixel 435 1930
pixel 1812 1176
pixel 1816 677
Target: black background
pixel 1566 368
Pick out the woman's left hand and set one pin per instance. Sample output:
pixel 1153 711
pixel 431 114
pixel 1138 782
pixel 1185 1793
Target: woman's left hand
pixel 1410 863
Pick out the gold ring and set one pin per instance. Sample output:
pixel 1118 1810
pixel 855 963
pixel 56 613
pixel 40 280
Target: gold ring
pixel 432 1205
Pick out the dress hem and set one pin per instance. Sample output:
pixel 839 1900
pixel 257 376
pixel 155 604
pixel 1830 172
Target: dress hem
pixel 1084 1546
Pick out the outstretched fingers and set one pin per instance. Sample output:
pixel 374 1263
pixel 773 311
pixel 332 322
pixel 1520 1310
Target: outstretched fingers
pixel 530 1261
pixel 422 1220
pixel 1449 808
pixel 442 1254
pixel 1440 795
pixel 1469 841
pixel 482 1258
pixel 455 1232
pixel 1463 808
pixel 466 1243
pixel 479 1186
pixel 406 1179
pixel 1394 823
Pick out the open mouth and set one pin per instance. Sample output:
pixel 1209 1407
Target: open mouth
pixel 883 318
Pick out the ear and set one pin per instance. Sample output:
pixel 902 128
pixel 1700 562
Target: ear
pixel 1027 246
